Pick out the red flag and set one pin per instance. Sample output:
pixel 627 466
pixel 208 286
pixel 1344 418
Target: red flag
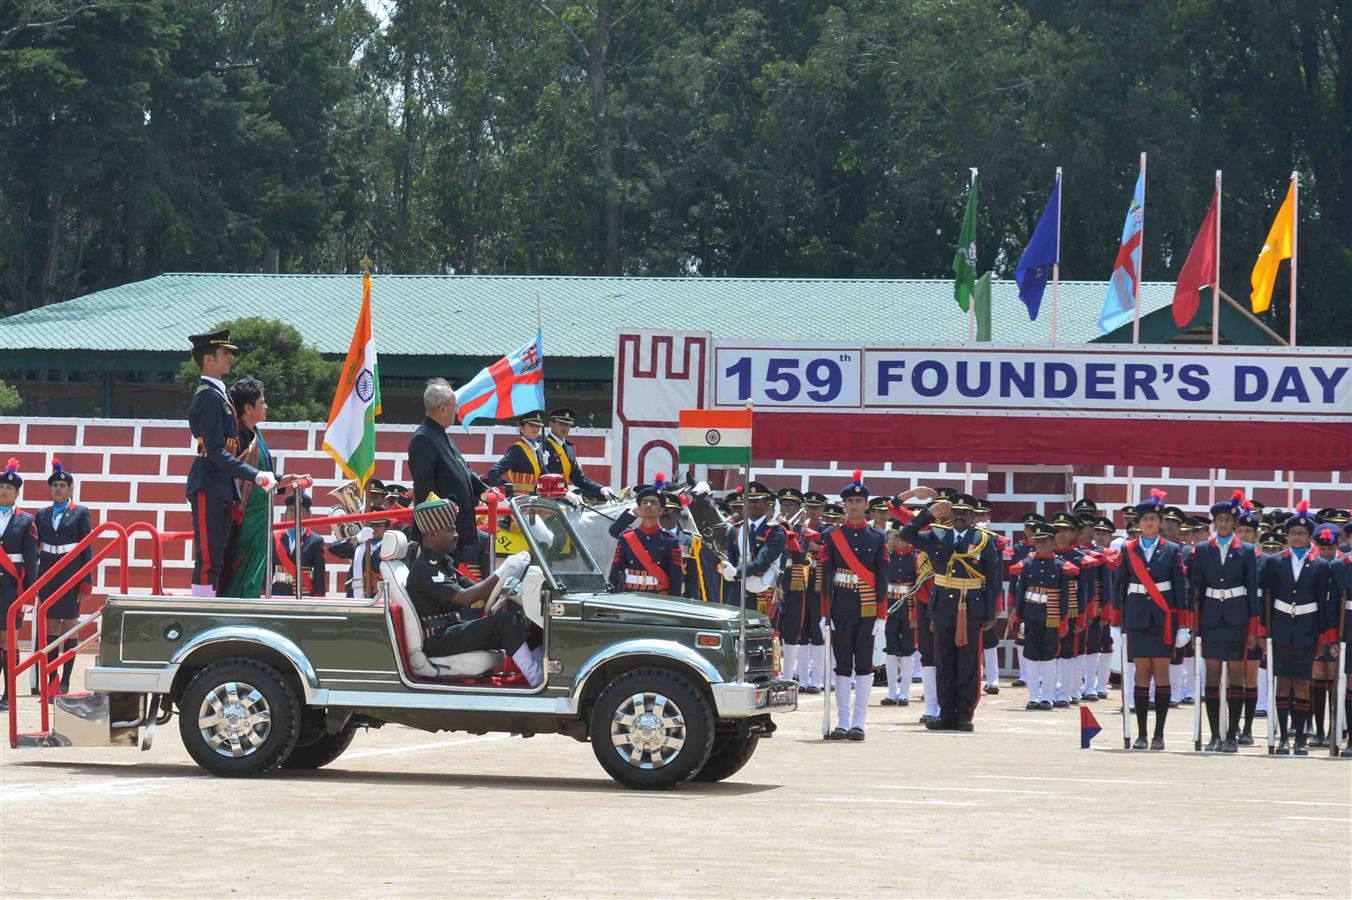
pixel 1198 270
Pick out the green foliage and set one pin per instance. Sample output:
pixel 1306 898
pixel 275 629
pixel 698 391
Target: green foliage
pixel 10 401
pixel 297 381
pixel 644 137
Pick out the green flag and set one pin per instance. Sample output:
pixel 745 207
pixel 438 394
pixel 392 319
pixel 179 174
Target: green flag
pixel 964 260
pixel 981 296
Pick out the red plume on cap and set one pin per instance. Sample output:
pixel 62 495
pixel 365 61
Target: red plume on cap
pixel 12 465
pixel 660 481
pixel 56 466
pixel 1157 494
pixel 1303 507
pixel 857 476
pixel 1248 505
pixel 1237 495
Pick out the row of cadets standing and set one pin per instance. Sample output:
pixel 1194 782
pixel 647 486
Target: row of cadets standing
pixel 1041 589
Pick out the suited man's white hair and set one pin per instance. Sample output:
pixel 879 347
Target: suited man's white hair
pixel 437 394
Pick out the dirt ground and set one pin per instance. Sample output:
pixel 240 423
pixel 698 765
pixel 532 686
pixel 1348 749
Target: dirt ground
pixel 1015 809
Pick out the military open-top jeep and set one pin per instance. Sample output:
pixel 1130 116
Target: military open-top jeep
pixel 655 683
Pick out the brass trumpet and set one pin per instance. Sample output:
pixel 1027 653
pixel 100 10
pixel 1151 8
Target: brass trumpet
pixel 349 497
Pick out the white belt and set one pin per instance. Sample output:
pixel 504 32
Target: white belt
pixel 1292 609
pixel 640 580
pixel 1225 593
pixel 58 548
pixel 897 588
pixel 1136 588
pixel 846 579
pixel 1035 597
pixel 16 557
pixel 1347 605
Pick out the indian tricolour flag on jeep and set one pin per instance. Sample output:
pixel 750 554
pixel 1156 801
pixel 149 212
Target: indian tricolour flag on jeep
pixel 351 436
pixel 715 437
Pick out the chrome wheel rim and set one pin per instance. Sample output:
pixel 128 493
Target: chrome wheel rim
pixel 234 719
pixel 648 731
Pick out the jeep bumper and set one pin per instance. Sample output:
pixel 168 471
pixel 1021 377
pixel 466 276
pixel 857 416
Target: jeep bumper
pixel 738 699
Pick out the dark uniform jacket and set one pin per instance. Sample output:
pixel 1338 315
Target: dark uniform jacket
pixel 56 541
pixel 1133 607
pixel 1302 607
pixel 1341 576
pixel 563 461
pixel 212 421
pixel 347 550
pixel 767 542
pixel 311 563
pixel 432 585
pixel 1225 593
pixel 944 548
pixel 629 571
pixel 901 574
pixel 520 468
pixel 1041 591
pixel 844 593
pixel 20 546
pixel 438 467
pixel 1084 585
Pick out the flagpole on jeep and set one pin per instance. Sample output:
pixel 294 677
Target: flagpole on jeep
pixel 743 549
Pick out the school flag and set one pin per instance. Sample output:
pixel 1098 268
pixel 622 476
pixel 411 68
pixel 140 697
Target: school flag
pixel 511 386
pixel 1120 303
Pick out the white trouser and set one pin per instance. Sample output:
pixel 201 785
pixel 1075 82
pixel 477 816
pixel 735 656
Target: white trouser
pixel 1062 678
pixel 891 665
pixel 904 679
pixel 928 677
pixel 821 664
pixel 1023 666
pixel 791 661
pixel 991 663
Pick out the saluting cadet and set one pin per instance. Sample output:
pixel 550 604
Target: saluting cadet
pixel 520 468
pixel 1299 600
pixel 813 668
pixel 1325 673
pixel 211 488
pixel 766 541
pixel 311 556
pixel 648 559
pixel 1224 586
pixel 60 527
pixel 18 558
pixel 1151 606
pixel 854 571
pixel 1068 660
pixel 903 574
pixel 962 604
pixel 563 455
pixel 1041 596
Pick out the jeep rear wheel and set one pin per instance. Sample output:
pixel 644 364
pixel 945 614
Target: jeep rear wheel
pixel 320 751
pixel 238 718
pixel 652 729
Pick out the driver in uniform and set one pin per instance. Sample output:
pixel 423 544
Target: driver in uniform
pixel 439 593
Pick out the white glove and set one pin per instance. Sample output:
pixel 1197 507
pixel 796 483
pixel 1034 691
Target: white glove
pixel 513 566
pixel 1181 637
pixel 824 624
pixel 607 493
pixel 573 499
pixel 365 534
pixel 265 480
pixel 728 570
pixel 879 626
pixel 701 489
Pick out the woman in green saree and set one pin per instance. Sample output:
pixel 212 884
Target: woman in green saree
pixel 246 552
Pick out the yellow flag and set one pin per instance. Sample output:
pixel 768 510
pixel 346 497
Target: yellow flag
pixel 1276 248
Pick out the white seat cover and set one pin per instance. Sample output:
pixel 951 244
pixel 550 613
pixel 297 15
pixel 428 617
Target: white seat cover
pixel 393 547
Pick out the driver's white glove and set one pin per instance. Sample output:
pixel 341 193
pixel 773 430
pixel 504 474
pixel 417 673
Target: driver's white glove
pixel 728 571
pixel 1181 637
pixel 607 492
pixel 824 624
pixel 265 480
pixel 879 626
pixel 365 534
pixel 513 566
pixel 701 489
pixel 573 499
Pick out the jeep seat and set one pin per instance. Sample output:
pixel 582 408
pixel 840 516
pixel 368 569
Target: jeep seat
pixel 408 628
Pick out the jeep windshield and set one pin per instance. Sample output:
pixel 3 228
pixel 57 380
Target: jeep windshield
pixel 552 539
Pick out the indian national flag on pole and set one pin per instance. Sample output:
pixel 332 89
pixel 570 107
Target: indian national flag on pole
pixel 351 435
pixel 715 437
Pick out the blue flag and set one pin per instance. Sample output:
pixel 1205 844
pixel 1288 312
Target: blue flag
pixel 1119 305
pixel 1035 266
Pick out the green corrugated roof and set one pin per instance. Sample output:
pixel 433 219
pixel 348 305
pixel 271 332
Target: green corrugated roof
pixel 486 315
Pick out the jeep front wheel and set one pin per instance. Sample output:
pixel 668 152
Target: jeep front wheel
pixel 731 751
pixel 238 717
pixel 652 729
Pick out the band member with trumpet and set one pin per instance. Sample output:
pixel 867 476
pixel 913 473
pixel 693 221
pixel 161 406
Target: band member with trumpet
pixel 962 604
pixel 853 560
pixel 766 541
pixel 520 468
pixel 1041 594
pixel 648 559
pixel 563 455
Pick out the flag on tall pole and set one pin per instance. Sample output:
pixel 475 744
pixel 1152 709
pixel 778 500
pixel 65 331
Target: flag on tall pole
pixel 1199 268
pixel 351 436
pixel 1042 255
pixel 511 386
pixel 964 258
pixel 1280 245
pixel 981 308
pixel 1124 285
pixel 714 437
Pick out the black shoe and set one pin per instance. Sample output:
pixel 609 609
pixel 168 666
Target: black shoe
pixel 809 689
pixel 65 686
pixel 1060 704
pixel 925 720
pixel 1044 704
pixel 1090 698
pixel 1212 746
pixel 1301 750
pixel 1188 701
pixel 992 688
pixel 1032 704
pixel 888 701
pixel 1231 746
pixel 965 726
pixel 1318 741
pixel 1260 714
pixel 856 734
pixel 1018 682
pixel 837 734
pixel 1284 748
pixel 1173 704
pixel 4 704
pixel 1140 744
pixel 1157 743
pixel 902 701
pixel 1246 739
pixel 1103 695
pixel 1346 754
pixel 936 724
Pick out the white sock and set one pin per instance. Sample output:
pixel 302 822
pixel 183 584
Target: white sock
pixel 525 661
pixel 821 659
pixel 1105 671
pixel 916 665
pixel 791 662
pixel 842 687
pixel 992 664
pixel 1062 677
pixel 904 679
pixel 1024 673
pixel 863 687
pixel 1033 669
pixel 203 590
pixel 891 664
pixel 1176 680
pixel 927 675
pixel 1262 690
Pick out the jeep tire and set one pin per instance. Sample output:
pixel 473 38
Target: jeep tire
pixel 652 729
pixel 238 718
pixel 320 751
pixel 730 752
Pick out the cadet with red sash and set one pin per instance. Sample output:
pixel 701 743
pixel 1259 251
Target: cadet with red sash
pixel 647 559
pixel 18 556
pixel 853 560
pixel 284 556
pixel 766 541
pixel 1041 603
pixel 1151 605
pixel 520 468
